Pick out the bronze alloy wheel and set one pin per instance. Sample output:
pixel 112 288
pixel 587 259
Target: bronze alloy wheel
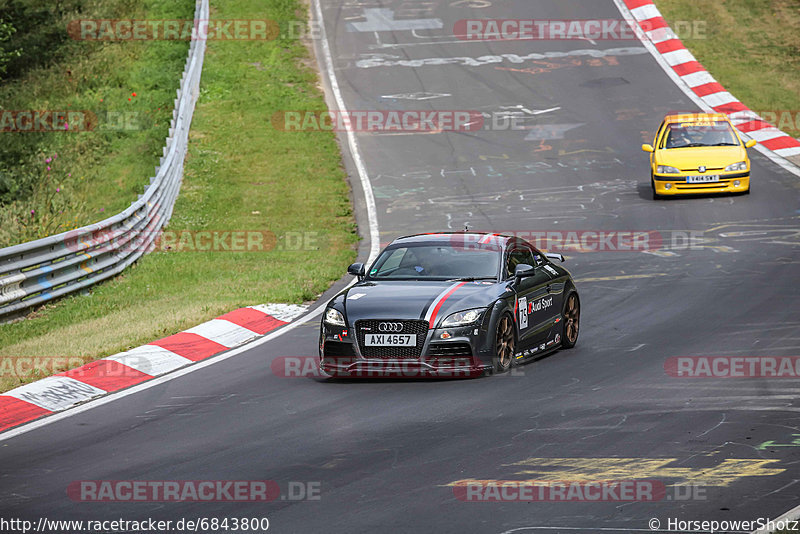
pixel 572 320
pixel 504 344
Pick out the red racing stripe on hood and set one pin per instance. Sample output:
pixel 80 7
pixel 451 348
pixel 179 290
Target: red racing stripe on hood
pixel 433 311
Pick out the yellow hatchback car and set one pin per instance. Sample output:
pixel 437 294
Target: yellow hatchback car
pixel 698 153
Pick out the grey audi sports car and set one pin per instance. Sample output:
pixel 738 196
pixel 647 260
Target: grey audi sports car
pixel 449 304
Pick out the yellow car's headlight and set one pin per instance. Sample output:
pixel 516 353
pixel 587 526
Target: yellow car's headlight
pixel 740 166
pixel 666 169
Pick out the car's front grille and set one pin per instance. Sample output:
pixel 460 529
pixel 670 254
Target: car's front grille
pixel 370 326
pixel 708 185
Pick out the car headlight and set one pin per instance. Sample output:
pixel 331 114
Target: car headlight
pixel 463 318
pixel 334 317
pixel 741 166
pixel 666 169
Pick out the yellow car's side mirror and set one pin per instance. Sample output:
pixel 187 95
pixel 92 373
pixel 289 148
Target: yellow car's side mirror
pixel 648 148
pixel 750 144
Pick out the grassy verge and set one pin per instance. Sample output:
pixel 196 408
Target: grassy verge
pixel 752 47
pixel 240 174
pixel 57 180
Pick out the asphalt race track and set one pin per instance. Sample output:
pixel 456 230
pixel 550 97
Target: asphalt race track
pixel 386 452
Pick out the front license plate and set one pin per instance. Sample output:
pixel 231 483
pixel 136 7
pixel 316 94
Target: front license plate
pixel 702 179
pixel 390 340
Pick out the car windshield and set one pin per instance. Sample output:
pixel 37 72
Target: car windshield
pixel 692 134
pixel 437 261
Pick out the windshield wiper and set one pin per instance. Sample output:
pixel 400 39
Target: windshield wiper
pixel 725 144
pixel 472 278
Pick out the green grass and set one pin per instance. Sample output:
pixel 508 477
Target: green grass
pixel 240 174
pixel 92 174
pixel 752 47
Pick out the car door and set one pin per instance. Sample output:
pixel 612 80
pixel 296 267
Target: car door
pixel 656 140
pixel 532 302
pixel 555 287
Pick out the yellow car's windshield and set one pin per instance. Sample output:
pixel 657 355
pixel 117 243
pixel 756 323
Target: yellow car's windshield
pixel 692 134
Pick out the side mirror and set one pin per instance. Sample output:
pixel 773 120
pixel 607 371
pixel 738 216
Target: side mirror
pixel 522 270
pixel 555 256
pixel 357 269
pixel 648 148
pixel 751 143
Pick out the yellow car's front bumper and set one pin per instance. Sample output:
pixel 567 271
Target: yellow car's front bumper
pixel 675 184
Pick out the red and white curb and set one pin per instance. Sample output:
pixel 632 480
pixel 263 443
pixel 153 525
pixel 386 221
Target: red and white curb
pixel 702 85
pixel 65 390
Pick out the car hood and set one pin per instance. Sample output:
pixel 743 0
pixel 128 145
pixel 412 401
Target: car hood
pixel 715 157
pixel 416 299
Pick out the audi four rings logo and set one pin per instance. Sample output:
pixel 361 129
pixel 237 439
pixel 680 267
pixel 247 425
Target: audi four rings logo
pixel 390 327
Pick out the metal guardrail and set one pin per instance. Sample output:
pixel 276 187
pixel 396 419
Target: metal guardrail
pixel 35 272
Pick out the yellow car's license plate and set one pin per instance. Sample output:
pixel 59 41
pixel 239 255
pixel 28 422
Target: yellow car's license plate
pixel 702 179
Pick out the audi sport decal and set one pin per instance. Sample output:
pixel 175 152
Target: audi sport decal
pixel 433 309
pixel 541 304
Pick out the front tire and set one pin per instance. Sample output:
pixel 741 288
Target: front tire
pixel 572 320
pixel 504 344
pixel 656 196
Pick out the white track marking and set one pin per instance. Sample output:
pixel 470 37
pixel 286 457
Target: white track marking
pixel 698 78
pixel 150 359
pixel 645 12
pixel 786 152
pixel 678 57
pixel 662 34
pixel 55 393
pixel 223 332
pixel 719 99
pixel 282 312
pixel 422 95
pixel 766 134
pixel 382 20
